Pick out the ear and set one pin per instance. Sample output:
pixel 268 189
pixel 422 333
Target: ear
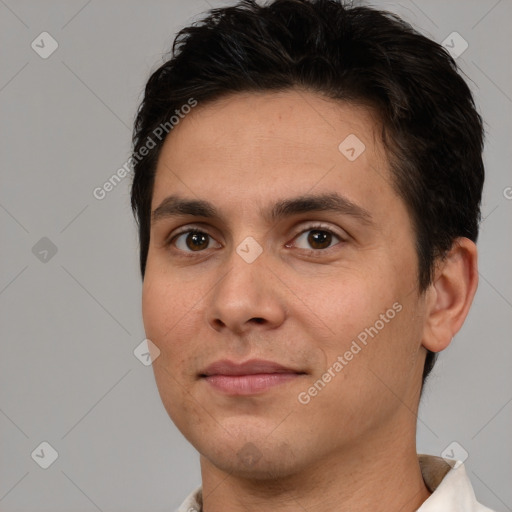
pixel 449 297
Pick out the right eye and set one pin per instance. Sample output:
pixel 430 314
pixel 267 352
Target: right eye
pixel 192 240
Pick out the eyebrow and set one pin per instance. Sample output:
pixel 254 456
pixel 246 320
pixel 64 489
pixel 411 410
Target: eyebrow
pixel 175 206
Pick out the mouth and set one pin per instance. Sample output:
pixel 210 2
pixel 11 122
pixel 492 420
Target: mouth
pixel 248 378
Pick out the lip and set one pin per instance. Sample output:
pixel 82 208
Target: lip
pixel 251 367
pixel 248 378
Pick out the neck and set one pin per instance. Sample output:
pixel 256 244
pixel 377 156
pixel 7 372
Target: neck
pixel 379 473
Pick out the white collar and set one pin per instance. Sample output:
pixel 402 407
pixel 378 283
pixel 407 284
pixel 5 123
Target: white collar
pixel 450 486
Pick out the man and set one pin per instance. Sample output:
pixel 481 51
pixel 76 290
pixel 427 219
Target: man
pixel 307 186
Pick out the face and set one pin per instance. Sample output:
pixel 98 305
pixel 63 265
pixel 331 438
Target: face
pixel 286 309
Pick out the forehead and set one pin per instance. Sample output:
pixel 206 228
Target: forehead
pixel 250 147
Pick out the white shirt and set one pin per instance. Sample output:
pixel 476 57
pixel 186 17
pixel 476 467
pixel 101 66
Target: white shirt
pixel 445 479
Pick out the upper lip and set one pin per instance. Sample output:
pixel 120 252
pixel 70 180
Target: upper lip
pixel 251 367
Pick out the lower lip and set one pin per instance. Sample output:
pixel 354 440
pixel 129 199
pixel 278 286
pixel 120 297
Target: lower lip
pixel 248 384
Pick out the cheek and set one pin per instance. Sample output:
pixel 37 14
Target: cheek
pixel 369 321
pixel 162 307
pixel 166 316
pixel 348 302
pixel 154 307
pixel 172 314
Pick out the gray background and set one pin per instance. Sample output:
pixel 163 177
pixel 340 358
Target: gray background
pixel 70 323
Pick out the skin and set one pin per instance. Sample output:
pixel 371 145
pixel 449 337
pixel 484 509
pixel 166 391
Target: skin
pixel 352 446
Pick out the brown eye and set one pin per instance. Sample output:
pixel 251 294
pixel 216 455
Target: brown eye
pixel 319 239
pixel 192 240
pixel 197 241
pixel 316 239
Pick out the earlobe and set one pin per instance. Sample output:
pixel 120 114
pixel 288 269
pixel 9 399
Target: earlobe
pixel 450 295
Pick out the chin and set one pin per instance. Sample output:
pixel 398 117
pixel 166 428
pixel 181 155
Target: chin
pixel 263 458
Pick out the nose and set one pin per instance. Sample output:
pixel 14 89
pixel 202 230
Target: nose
pixel 247 297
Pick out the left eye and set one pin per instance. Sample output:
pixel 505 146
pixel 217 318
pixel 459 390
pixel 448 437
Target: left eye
pixel 317 238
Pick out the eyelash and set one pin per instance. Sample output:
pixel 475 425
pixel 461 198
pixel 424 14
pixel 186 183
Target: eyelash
pixel 311 252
